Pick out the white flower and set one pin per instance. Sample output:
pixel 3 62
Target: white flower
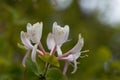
pixel 73 55
pixel 58 36
pixel 54 40
pixel 33 34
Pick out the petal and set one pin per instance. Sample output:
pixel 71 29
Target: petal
pixel 66 28
pixel 25 57
pixel 25 40
pixel 77 48
pixel 60 33
pixel 33 55
pixel 65 67
pixel 75 67
pixel 69 58
pixel 59 51
pixel 29 28
pixel 37 32
pixel 50 41
pixel 54 27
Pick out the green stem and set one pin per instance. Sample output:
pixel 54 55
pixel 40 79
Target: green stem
pixel 46 69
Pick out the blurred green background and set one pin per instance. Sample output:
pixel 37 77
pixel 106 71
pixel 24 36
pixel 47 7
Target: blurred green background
pixel 102 39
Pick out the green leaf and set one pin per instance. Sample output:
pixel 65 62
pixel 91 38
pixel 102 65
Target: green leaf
pixel 21 46
pixel 50 59
pixel 33 67
pixel 55 74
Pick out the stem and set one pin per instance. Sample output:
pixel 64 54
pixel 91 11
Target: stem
pixel 46 69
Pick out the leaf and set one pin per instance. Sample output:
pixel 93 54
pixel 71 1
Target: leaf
pixel 21 46
pixel 50 59
pixel 33 67
pixel 55 74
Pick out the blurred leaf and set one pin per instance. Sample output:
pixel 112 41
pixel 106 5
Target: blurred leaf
pixel 55 74
pixel 115 65
pixel 50 59
pixel 21 46
pixel 4 62
pixel 103 54
pixel 5 77
pixel 33 67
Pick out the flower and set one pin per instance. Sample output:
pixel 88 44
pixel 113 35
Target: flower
pixel 58 36
pixel 33 34
pixel 72 55
pixel 31 41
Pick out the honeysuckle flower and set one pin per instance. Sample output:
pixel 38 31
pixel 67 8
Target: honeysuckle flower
pixel 33 34
pixel 31 40
pixel 58 36
pixel 72 55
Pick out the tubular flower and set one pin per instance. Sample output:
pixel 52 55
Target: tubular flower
pixel 72 55
pixel 33 34
pixel 58 36
pixel 55 40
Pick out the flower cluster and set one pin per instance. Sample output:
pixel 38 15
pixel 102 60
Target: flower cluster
pixel 58 36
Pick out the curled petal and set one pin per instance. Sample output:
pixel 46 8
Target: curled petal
pixel 50 41
pixel 75 66
pixel 25 57
pixel 25 40
pixel 77 48
pixel 33 55
pixel 71 57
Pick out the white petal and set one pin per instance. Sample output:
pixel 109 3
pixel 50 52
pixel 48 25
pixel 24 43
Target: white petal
pixel 77 48
pixel 79 45
pixel 54 27
pixel 25 57
pixel 25 40
pixel 59 51
pixel 29 28
pixel 75 66
pixel 33 55
pixel 50 41
pixel 37 32
pixel 60 33
pixel 66 28
pixel 69 58
pixel 65 67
